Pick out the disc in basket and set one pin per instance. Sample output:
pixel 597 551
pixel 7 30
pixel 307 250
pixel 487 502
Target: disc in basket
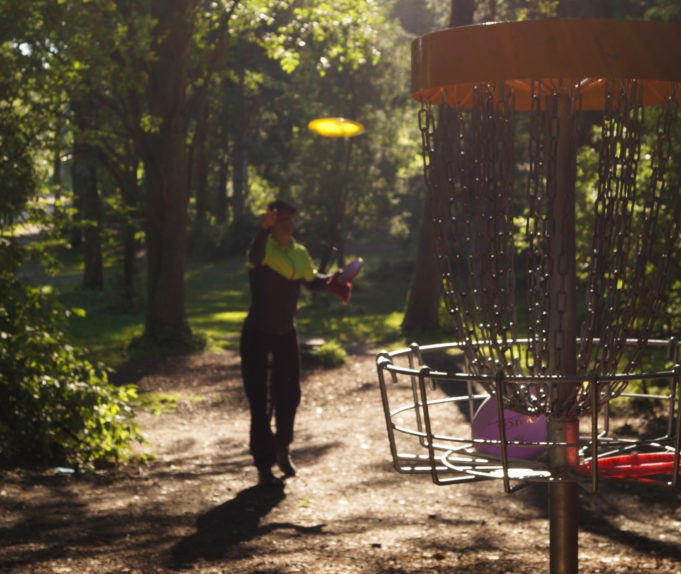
pixel 519 428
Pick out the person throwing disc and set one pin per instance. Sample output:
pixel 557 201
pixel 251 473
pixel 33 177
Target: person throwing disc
pixel 277 267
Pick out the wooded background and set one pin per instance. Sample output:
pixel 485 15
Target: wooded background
pixel 153 131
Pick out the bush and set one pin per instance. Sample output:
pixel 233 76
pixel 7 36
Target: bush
pixel 57 408
pixel 329 354
pixel 166 343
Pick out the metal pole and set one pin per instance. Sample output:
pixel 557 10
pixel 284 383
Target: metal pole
pixel 563 425
pixel 563 515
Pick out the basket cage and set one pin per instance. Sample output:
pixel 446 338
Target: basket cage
pixel 496 247
pixel 431 413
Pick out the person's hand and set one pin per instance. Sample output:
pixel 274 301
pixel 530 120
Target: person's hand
pixel 269 219
pixel 341 289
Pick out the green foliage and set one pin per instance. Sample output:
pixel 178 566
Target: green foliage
pixel 16 169
pixel 162 403
pixel 239 235
pixel 342 33
pixel 218 299
pixel 57 408
pixel 171 341
pixel 353 63
pixel 664 10
pixel 329 354
pixel 159 403
pixel 372 318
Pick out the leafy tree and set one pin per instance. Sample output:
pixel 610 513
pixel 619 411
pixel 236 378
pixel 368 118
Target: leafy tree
pixel 153 80
pixel 186 46
pixel 663 10
pixel 336 61
pixel 138 74
pixel 425 291
pixel 57 407
pixel 84 179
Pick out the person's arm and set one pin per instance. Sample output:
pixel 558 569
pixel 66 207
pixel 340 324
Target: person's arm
pixel 330 283
pixel 256 253
pixel 327 282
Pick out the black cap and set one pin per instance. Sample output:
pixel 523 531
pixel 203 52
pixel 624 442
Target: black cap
pixel 280 204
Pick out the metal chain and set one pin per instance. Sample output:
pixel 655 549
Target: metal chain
pixel 635 231
pixel 469 170
pixel 472 201
pixel 535 231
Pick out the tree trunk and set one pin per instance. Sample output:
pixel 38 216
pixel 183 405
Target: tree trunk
pixel 93 271
pixel 240 149
pixel 221 199
pixel 130 192
pixel 166 168
pixel 339 185
pixel 222 137
pixel 461 12
pixel 199 169
pixel 84 180
pixel 425 290
pixel 56 169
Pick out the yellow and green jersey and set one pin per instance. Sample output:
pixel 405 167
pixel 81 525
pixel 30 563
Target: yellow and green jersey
pixel 275 274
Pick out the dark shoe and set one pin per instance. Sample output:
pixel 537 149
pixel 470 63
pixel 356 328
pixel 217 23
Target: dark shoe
pixel 266 478
pixel 284 463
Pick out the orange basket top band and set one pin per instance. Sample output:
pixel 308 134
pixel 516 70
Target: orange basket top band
pixel 566 54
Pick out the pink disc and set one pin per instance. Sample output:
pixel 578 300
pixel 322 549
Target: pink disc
pixel 519 428
pixel 350 270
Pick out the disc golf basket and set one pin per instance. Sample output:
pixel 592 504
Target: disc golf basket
pixel 553 320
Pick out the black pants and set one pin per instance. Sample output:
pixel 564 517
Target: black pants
pixel 284 390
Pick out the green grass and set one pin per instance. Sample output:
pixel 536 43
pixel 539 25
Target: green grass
pixel 372 317
pixel 217 299
pixel 161 403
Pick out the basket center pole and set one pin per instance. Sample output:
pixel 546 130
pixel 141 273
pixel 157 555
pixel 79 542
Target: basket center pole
pixel 563 425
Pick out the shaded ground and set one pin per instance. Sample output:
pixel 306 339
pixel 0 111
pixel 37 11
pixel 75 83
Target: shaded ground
pixel 196 509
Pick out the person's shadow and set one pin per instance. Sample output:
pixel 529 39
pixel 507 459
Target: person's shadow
pixel 232 522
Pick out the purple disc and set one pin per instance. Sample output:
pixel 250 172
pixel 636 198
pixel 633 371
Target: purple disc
pixel 519 428
pixel 350 270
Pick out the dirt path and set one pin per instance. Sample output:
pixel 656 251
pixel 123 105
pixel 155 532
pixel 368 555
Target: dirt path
pixel 195 508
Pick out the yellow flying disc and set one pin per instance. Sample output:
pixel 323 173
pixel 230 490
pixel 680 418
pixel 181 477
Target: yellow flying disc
pixel 336 127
